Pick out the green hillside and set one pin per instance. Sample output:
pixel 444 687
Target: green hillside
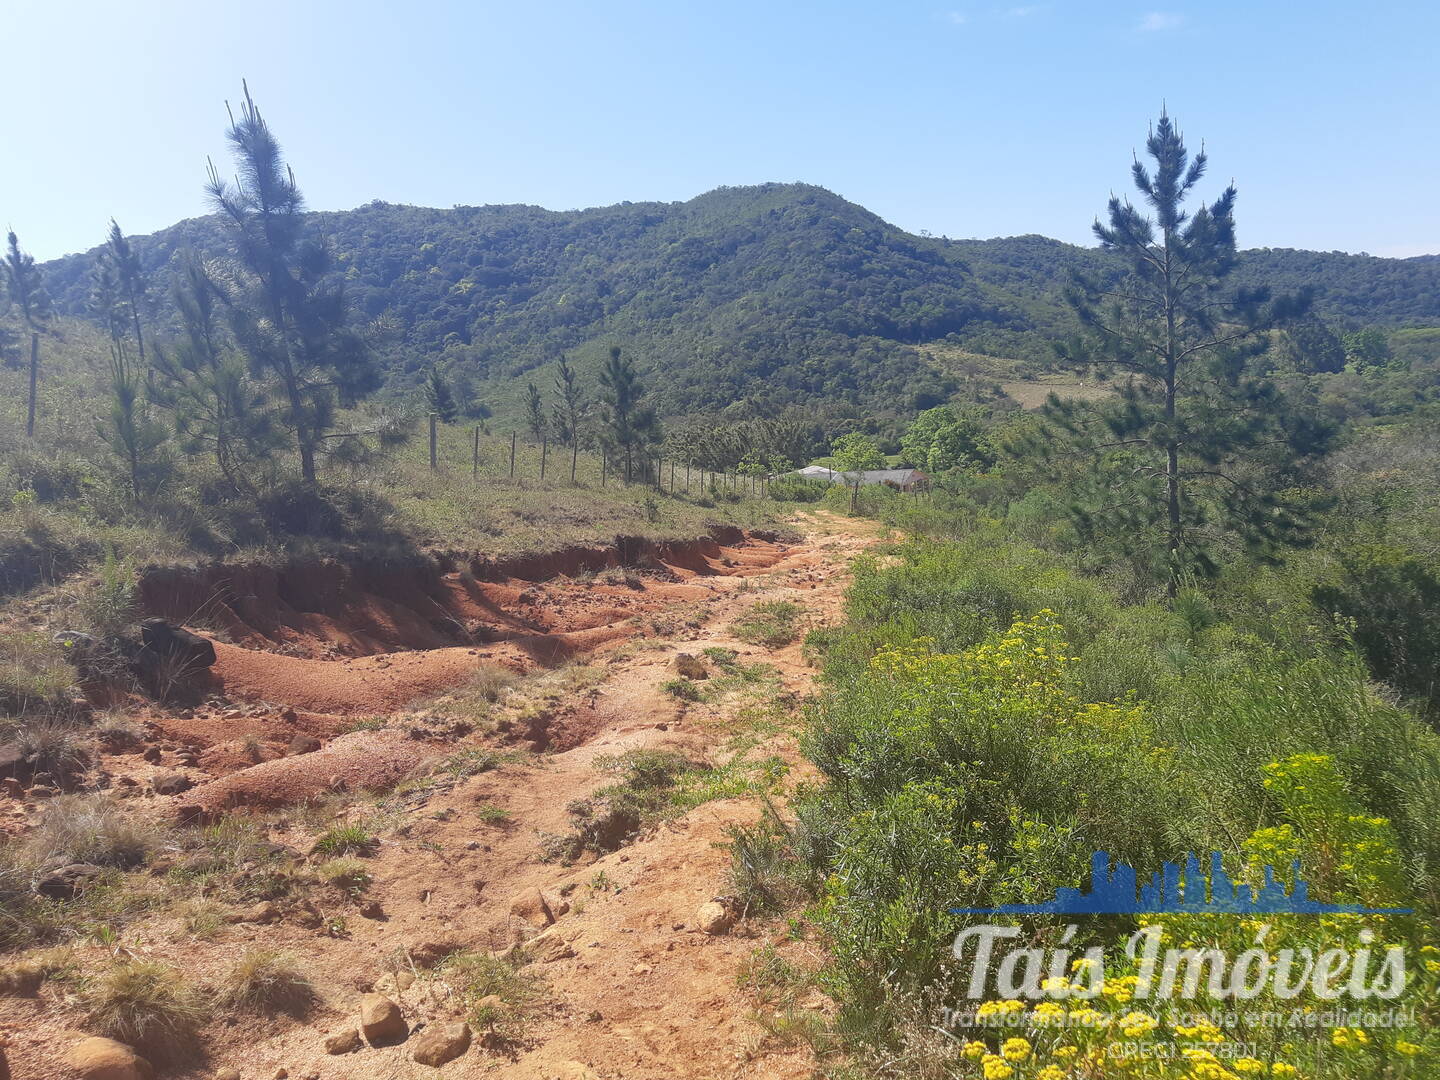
pixel 743 299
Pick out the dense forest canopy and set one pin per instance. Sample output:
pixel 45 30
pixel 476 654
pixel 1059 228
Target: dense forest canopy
pixel 747 298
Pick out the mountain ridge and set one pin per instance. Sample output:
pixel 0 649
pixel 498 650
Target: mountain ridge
pixel 751 298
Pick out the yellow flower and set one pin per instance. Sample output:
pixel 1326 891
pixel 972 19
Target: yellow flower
pixel 1051 1072
pixel 974 1050
pixel 1281 1068
pixel 1135 1024
pixel 1016 1049
pixel 1409 1049
pixel 1066 1052
pixel 1048 1012
pixel 1249 1065
pixel 996 1068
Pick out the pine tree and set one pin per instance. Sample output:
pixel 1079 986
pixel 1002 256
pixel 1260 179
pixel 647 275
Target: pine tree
pixel 287 317
pixel 218 407
pixel 568 411
pixel 1184 458
pixel 535 412
pixel 129 299
pixel 25 288
pixel 129 430
pixel 439 396
pixel 630 426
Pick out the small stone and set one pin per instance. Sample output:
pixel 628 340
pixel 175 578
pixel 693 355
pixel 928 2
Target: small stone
pixel 227 1074
pixel 152 754
pixel 105 1059
pixel 304 744
pixel 548 948
pixel 380 1020
pixel 531 906
pixel 170 783
pixel 714 918
pixel 404 980
pixel 263 912
pixel 69 881
pixel 342 1042
pixel 442 1043
pixel 427 954
pixel 371 909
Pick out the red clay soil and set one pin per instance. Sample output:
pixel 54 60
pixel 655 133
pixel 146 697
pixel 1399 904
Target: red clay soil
pixel 315 647
pixel 636 992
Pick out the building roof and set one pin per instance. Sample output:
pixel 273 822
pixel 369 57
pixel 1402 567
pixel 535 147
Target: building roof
pixel 899 477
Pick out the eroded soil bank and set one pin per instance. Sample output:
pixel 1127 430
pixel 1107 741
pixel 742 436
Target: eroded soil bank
pixel 312 708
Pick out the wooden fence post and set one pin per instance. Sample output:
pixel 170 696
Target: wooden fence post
pixel 544 450
pixel 434 461
pixel 475 456
pixel 512 455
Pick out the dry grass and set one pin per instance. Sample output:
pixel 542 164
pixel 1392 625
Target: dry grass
pixel 266 981
pixel 144 1004
pixel 91 829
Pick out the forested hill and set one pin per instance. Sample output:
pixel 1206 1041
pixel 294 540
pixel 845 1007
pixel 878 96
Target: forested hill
pixel 753 297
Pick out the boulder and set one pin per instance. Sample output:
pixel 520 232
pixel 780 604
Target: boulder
pixel 164 641
pixel 441 1043
pixel 532 906
pixel 692 667
pixel 69 881
pixel 342 1042
pixel 714 918
pixel 170 783
pixel 105 1059
pixel 381 1021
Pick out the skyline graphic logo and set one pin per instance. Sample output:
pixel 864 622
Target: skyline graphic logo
pixel 1117 890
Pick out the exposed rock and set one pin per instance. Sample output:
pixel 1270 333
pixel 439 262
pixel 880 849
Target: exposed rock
pixel 532 906
pixel 304 744
pixel 22 978
pixel 263 912
pixel 77 640
pixel 105 1059
pixel 441 1043
pixel 170 783
pixel 427 954
pixel 380 1020
pixel 12 760
pixel 43 791
pixel 692 667
pixel 548 947
pixel 227 1074
pixel 342 1042
pixel 152 754
pixel 714 918
pixel 162 640
pixel 67 882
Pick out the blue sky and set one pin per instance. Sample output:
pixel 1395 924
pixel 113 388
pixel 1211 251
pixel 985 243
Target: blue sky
pixel 965 119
